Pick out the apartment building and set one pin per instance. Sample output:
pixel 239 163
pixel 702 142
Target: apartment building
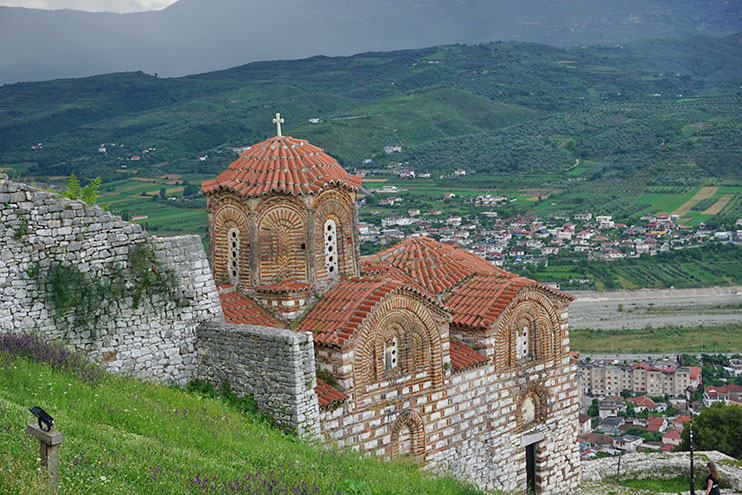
pixel 640 378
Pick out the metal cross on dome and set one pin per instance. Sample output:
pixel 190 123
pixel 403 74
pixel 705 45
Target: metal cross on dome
pixel 278 121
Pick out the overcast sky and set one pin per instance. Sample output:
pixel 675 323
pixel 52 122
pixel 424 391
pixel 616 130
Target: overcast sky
pixel 91 5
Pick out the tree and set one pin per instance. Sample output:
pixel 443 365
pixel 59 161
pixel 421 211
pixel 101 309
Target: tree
pixel 718 427
pixel 593 409
pixel 89 193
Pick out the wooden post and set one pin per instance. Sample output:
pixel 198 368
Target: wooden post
pixel 690 443
pixel 49 442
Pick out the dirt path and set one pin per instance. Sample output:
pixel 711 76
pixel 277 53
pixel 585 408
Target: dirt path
pixel 715 208
pixel 705 193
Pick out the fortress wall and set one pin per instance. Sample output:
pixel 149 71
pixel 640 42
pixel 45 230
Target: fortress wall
pixel 275 365
pixel 66 271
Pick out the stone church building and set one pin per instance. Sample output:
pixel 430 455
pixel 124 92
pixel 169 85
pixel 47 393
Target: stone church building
pixel 422 350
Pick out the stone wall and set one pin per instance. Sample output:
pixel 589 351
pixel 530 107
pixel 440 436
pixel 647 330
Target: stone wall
pixel 275 365
pixel 471 425
pixel 149 335
pixel 664 465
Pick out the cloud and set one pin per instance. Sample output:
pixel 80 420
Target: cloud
pixel 91 5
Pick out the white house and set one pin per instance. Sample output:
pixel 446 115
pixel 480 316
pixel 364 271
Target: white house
pixel 628 443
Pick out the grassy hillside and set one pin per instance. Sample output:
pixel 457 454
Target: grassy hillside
pixel 127 437
pixel 513 108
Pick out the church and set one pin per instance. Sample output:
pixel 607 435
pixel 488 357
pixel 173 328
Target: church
pixel 423 350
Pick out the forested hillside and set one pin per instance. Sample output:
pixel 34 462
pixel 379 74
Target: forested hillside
pixel 499 108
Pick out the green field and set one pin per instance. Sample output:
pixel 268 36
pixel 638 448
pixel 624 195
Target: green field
pixel 717 265
pixel 724 338
pixel 125 196
pixel 122 436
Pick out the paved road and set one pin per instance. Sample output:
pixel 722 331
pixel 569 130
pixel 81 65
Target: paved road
pixel 639 309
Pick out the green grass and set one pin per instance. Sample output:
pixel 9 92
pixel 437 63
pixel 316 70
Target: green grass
pixel 123 436
pixel 663 202
pixel 670 485
pixel 723 338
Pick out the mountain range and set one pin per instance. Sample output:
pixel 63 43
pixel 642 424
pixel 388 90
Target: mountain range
pixel 195 36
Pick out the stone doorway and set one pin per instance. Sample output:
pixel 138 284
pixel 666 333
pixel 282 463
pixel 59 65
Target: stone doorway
pixel 530 443
pixel 531 469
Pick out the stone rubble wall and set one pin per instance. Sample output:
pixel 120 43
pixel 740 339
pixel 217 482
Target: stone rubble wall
pixel 154 340
pixel 275 366
pixel 666 465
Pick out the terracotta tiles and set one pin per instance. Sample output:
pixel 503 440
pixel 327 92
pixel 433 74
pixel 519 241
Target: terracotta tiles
pixel 464 358
pixel 239 309
pixel 436 266
pixel 480 300
pixel 344 307
pixel 327 395
pixel 282 164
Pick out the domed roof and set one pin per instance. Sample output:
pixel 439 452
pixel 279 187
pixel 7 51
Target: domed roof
pixel 282 164
pixel 436 266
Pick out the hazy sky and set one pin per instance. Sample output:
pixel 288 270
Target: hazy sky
pixel 91 5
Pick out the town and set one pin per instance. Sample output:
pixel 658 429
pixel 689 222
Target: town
pixel 642 405
pixel 523 239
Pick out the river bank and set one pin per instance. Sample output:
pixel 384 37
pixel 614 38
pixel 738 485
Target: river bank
pixel 711 306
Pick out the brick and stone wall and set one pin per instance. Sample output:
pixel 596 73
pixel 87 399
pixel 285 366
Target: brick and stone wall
pixel 275 365
pixel 470 423
pixel 152 337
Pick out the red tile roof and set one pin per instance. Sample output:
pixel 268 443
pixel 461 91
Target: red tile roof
pixel 643 401
pixel 695 371
pixel 327 395
pixel 286 286
pixel 463 358
pixel 436 266
pixel 479 301
pixel 655 424
pixel 716 391
pixel 672 435
pixel 225 288
pixel 681 420
pixel 242 310
pixel 344 307
pixel 646 367
pixel 482 290
pixel 282 164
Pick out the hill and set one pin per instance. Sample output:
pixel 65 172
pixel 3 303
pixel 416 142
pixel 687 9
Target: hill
pixel 511 107
pixel 201 35
pixel 122 436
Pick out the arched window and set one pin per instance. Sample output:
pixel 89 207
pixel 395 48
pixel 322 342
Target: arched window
pixel 391 353
pixel 521 340
pixel 331 247
pixel 528 410
pixel 233 238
